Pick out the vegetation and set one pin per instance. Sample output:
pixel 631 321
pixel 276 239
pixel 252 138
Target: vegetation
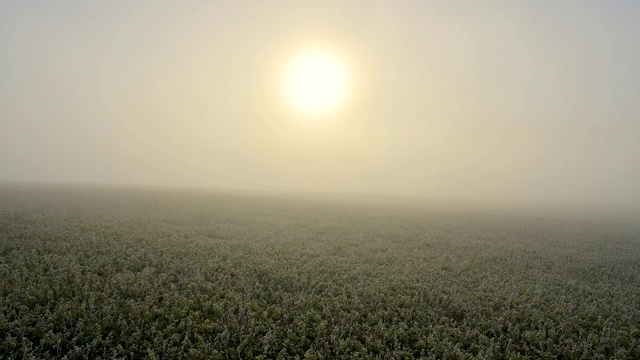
pixel 149 274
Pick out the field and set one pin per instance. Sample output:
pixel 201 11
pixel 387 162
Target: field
pixel 129 273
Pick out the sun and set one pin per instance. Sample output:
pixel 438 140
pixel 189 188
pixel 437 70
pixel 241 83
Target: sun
pixel 316 82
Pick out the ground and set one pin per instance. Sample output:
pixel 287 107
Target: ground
pixel 142 273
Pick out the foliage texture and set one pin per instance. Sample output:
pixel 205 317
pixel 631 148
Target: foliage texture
pixel 130 274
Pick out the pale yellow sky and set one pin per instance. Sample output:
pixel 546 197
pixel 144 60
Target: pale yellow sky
pixel 491 100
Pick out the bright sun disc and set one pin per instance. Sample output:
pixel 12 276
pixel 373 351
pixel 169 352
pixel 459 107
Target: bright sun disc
pixel 316 82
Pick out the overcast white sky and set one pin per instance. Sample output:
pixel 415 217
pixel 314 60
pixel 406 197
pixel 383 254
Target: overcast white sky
pixel 482 100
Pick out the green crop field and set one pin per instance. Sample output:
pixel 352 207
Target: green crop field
pixel 126 273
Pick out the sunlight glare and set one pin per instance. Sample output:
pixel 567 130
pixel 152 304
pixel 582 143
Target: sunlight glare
pixel 316 82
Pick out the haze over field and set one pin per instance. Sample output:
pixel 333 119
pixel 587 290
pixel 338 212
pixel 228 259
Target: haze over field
pixel 492 100
pixel 319 179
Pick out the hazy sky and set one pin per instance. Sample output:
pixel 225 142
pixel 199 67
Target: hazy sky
pixel 498 100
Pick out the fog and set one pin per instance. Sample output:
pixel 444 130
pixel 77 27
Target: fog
pixel 479 101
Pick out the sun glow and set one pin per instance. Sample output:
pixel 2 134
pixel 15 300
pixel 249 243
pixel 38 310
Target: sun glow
pixel 316 82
